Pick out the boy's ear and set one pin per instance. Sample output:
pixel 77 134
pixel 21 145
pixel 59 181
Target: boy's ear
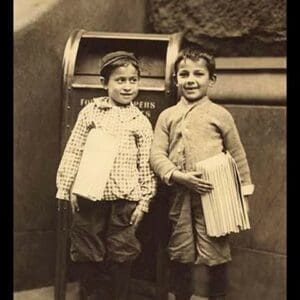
pixel 102 80
pixel 174 77
pixel 212 80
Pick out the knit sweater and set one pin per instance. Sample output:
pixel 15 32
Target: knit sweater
pixel 188 133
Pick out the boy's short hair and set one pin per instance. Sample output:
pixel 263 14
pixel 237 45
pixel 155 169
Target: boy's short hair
pixel 194 53
pixel 116 59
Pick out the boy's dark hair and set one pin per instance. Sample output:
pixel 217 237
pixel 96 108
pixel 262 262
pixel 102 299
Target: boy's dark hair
pixel 194 53
pixel 117 59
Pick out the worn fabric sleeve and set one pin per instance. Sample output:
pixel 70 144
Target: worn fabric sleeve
pixel 147 179
pixel 233 144
pixel 70 161
pixel 159 159
pixel 167 178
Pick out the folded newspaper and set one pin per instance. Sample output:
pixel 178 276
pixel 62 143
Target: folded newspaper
pixel 224 207
pixel 97 161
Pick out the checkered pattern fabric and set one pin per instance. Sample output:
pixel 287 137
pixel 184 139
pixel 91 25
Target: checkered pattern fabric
pixel 131 177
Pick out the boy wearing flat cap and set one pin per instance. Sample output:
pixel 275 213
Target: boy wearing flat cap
pixel 104 229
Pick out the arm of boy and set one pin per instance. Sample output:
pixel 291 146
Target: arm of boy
pixel 165 168
pixel 137 216
pixel 233 144
pixel 74 203
pixel 69 164
pixel 147 178
pixel 159 158
pixel 192 180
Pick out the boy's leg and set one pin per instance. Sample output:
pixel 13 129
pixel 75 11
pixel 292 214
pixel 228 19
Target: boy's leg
pixel 210 269
pixel 182 297
pixel 210 281
pixel 87 245
pixel 88 231
pixel 181 280
pixel 120 276
pixel 181 246
pixel 121 241
pixel 122 246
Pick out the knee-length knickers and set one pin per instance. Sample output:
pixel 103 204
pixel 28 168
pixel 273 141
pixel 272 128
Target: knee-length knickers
pixel 189 242
pixel 101 230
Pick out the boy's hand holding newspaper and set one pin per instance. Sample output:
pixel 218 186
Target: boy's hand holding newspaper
pixel 193 181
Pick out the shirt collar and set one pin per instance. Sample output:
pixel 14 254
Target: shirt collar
pixel 186 107
pixel 104 104
pixel 184 103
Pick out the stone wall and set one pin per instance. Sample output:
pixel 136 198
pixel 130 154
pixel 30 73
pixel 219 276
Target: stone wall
pixel 226 27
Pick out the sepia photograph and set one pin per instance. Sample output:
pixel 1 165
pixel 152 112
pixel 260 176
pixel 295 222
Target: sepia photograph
pixel 149 155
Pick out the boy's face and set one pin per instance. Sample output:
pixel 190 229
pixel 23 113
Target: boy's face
pixel 193 79
pixel 123 84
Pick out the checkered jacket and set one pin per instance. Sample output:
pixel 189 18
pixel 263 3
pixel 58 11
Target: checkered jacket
pixel 131 177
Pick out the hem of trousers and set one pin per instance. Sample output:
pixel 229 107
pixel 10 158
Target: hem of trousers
pixel 202 262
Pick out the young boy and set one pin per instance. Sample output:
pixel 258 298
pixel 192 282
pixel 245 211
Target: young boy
pixel 193 130
pixel 104 230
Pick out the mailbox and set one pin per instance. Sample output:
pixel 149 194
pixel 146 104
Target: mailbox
pixel 80 83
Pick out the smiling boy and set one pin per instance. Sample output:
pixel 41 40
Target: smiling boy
pixel 191 131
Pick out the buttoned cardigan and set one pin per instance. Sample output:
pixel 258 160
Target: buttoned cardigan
pixel 188 133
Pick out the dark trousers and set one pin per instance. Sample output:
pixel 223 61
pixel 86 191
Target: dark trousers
pixel 102 238
pixel 96 287
pixel 200 280
pixel 101 231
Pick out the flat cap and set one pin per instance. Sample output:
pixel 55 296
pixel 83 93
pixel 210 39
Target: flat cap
pixel 112 57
